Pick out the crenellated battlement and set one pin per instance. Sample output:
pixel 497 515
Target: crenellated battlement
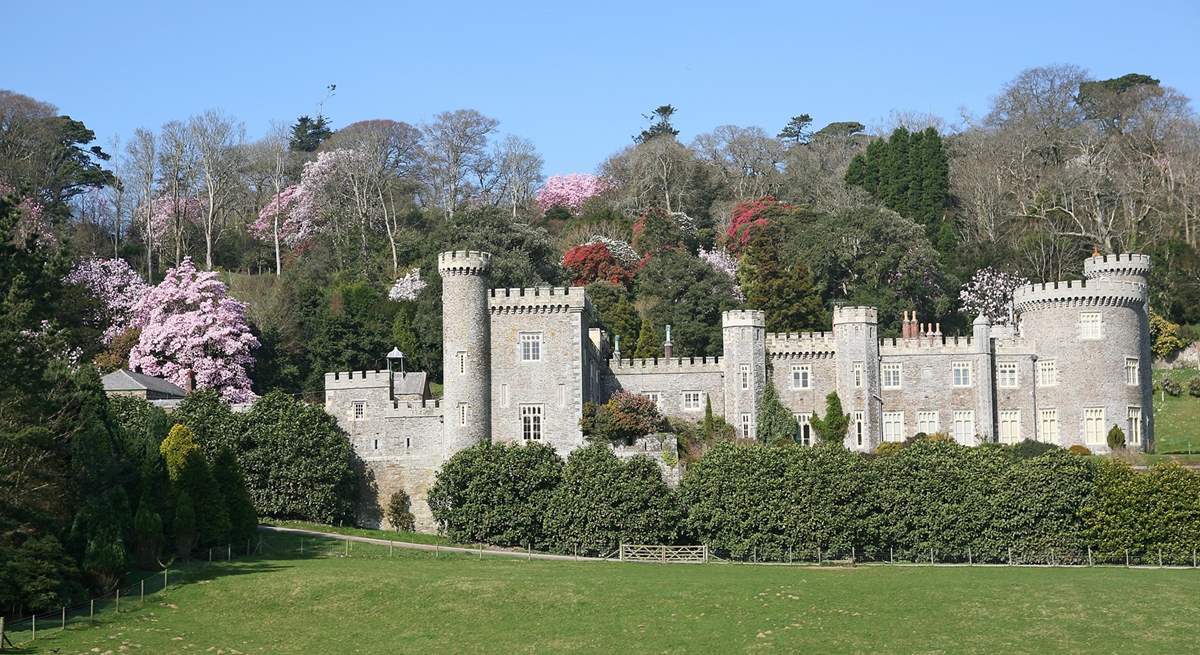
pixel 1125 264
pixel 779 343
pixel 927 345
pixel 743 318
pixel 403 408
pixel 537 300
pixel 665 365
pixel 464 262
pixel 855 314
pixel 1079 293
pixel 356 380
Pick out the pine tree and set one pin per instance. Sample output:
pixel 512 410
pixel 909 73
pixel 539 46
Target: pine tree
pixel 775 424
pixel 648 343
pixel 780 285
pixel 189 472
pixel 831 429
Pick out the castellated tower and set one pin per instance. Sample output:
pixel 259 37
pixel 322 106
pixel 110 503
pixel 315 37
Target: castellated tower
pixel 466 349
pixel 855 331
pixel 1092 339
pixel 743 334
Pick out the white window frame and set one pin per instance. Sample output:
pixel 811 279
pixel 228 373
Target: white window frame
pixel 462 361
pixel 964 425
pixel 1010 425
pixel 693 401
pixel 1048 425
pixel 856 371
pixel 893 426
pixel 504 395
pixel 532 421
pixel 530 346
pixel 358 410
pixel 927 421
pixel 1047 373
pixel 1008 375
pixel 1095 431
pixel 747 426
pixel 744 372
pixel 1091 325
pixel 1132 371
pixel 802 376
pixel 1133 430
pixel 804 428
pixel 462 413
pixel 655 397
pixel 961 373
pixel 892 373
pixel 860 420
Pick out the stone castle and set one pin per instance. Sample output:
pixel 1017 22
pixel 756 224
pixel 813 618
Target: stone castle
pixel 520 363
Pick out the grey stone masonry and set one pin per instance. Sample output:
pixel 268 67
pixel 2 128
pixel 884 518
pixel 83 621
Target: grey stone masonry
pixel 520 363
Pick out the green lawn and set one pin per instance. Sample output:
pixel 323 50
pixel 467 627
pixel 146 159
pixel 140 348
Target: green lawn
pixel 1177 419
pixel 418 603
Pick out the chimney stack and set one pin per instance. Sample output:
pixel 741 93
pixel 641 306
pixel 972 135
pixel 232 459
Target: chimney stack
pixel 667 345
pixel 189 381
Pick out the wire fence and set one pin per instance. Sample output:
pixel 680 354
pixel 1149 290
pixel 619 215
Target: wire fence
pixel 1004 556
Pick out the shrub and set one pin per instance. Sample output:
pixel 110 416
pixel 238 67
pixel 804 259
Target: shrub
pixel 889 448
pixel 496 493
pixel 243 520
pixel 1164 336
pixel 1030 448
pixel 775 425
pixel 831 428
pixel 399 512
pixel 603 501
pixel 1078 449
pixel 189 473
pixel 1035 509
pixel 1171 386
pixel 1116 438
pixel 1194 387
pixel 625 417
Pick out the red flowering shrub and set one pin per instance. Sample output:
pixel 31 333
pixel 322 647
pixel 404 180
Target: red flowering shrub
pixel 656 231
pixel 590 262
pixel 625 417
pixel 750 216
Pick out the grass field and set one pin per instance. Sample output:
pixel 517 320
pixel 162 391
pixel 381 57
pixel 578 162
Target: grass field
pixel 1177 419
pixel 412 602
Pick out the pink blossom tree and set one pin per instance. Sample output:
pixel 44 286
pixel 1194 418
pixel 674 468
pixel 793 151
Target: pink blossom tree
pixel 990 293
pixel 190 325
pixel 408 286
pixel 32 223
pixel 289 219
pixel 570 191
pixel 116 285
pixel 170 216
pixel 722 262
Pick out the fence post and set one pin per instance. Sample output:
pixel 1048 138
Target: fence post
pixel 164 579
pixel 662 554
pixel 931 555
pixel 347 548
pixel 64 617
pixel 92 611
pixel 528 551
pixel 706 553
pixel 970 558
pixel 229 550
pixel 1193 558
pixel 1126 558
pixel 621 551
pixel 118 600
pixel 891 555
pixel 391 546
pixel 1010 555
pixel 1089 555
pixel 1160 558
pixel 143 592
pixel 34 628
pixel 437 550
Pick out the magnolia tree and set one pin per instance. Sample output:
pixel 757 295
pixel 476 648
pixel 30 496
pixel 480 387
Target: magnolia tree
pixel 116 285
pixel 171 215
pixel 289 218
pixel 990 293
pixel 32 221
pixel 722 262
pixel 190 325
pixel 408 286
pixel 570 191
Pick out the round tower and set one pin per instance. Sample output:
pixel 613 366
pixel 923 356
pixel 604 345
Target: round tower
pixel 744 360
pixel 1092 342
pixel 466 349
pixel 855 331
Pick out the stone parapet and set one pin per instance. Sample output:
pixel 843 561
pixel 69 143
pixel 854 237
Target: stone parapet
pixel 800 342
pixel 464 262
pixel 1079 293
pixel 539 300
pixel 665 365
pixel 928 345
pixel 855 314
pixel 743 318
pixel 1124 264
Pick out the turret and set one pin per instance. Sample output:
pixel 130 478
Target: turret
pixel 855 331
pixel 466 349
pixel 1120 267
pixel 744 339
pixel 985 405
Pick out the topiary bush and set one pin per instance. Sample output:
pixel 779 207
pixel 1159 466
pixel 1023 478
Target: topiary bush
pixel 399 512
pixel 1116 438
pixel 1171 386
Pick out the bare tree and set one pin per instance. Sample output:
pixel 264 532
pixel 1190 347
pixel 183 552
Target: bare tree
pixel 178 167
pixel 455 144
pixel 217 139
pixel 140 165
pixel 519 171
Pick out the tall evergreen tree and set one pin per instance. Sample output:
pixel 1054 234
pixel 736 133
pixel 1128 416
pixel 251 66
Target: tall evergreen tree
pixel 775 424
pixel 831 428
pixel 648 343
pixel 778 283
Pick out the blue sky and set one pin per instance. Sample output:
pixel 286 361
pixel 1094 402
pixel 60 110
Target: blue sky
pixel 573 77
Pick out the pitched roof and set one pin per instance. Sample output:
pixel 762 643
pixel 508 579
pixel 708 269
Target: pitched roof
pixel 410 384
pixel 123 380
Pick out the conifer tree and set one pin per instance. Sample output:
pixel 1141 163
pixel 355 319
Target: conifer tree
pixel 831 429
pixel 775 424
pixel 189 472
pixel 780 285
pixel 184 528
pixel 648 343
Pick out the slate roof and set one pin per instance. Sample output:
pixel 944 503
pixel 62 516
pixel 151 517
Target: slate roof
pixel 123 380
pixel 412 383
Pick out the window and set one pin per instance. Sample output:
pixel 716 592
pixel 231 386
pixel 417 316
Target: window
pixel 891 376
pixel 927 422
pixel 462 413
pixel 692 400
pixel 1133 433
pixel 858 428
pixel 1048 430
pixel 1093 425
pixel 747 431
pixel 408 442
pixel 1006 375
pixel 462 362
pixel 805 429
pixel 504 395
pixel 856 369
pixel 1131 371
pixel 376 444
pixel 802 376
pixel 964 426
pixel 531 422
pixel 655 397
pixel 962 374
pixel 1047 373
pixel 359 409
pixel 893 426
pixel 531 346
pixel 1090 325
pixel 744 371
pixel 562 394
pixel 1010 426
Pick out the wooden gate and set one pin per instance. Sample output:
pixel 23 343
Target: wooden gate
pixel 664 554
